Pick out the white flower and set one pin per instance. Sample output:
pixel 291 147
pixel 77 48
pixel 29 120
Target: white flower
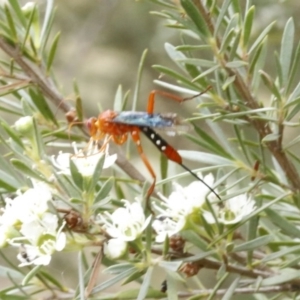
pixel 41 238
pixel 30 205
pixel 235 209
pixel 115 248
pixel 85 161
pixel 164 227
pixel 126 223
pixel 180 206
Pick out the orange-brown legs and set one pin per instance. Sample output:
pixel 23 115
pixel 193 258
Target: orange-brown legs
pixel 136 138
pixel 151 99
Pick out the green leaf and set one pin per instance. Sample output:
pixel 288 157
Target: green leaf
pixel 166 246
pixel 234 46
pixel 236 6
pixel 286 50
pixel 206 158
pixel 42 105
pixel 270 84
pixel 285 275
pixel 253 231
pixel 172 286
pixel 6 271
pixel 135 276
pixel 270 137
pixel 79 110
pixel 197 62
pixel 52 52
pixel 254 244
pixel 104 190
pixel 193 13
pixel 248 26
pixel 53 280
pixel 119 268
pixel 12 134
pixel 97 172
pixel 11 24
pixel 257 63
pixel 211 142
pixel 112 281
pixel 118 101
pixel 138 80
pixel 227 40
pixel 222 13
pixel 145 285
pixel 222 274
pixel 194 238
pixel 200 256
pixel 176 76
pixel 131 294
pixel 261 37
pixel 76 175
pixel 294 95
pixel 278 70
pixel 192 47
pixel 228 82
pixel 164 162
pixel 47 24
pixel 26 170
pixel 39 143
pixel 294 70
pixel 31 274
pixel 236 64
pixel 281 254
pixel 175 55
pixel 207 72
pixel 81 285
pixel 282 223
pixel 231 290
pixel 8 183
pixel 19 13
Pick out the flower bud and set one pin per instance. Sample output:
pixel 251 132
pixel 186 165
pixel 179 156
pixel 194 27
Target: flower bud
pixel 25 126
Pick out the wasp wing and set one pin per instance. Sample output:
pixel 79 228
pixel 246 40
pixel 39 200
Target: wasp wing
pixel 168 122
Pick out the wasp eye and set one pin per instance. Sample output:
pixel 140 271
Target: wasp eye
pixel 90 122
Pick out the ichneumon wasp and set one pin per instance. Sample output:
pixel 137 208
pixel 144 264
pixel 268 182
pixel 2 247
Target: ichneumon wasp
pixel 118 125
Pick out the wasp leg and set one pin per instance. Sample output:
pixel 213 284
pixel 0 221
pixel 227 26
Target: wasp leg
pixel 136 138
pixel 151 98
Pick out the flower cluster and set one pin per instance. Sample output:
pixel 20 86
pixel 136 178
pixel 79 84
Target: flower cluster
pixel 187 204
pixel 27 223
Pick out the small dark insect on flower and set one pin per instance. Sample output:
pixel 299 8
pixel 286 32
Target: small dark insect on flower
pixel 23 253
pixel 164 286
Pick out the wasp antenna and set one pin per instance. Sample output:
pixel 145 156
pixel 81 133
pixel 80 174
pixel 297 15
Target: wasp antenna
pixel 196 176
pixel 195 96
pixel 71 125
